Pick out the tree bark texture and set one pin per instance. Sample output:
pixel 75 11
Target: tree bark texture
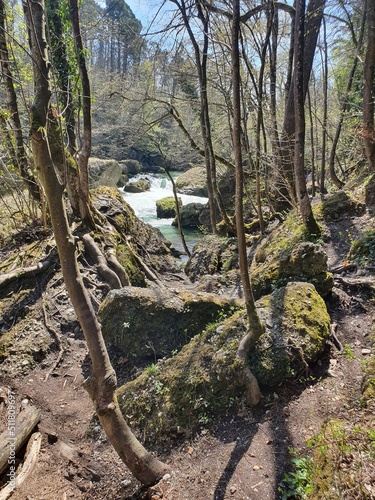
pixel 300 126
pixel 101 385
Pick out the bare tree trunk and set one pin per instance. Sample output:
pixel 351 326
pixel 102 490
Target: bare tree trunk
pixel 369 88
pixel 255 326
pixel 299 147
pixel 314 15
pixel 82 156
pixel 101 385
pixel 325 110
pixel 20 160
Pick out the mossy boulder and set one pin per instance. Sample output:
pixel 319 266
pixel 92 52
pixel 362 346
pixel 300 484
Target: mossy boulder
pixel 193 182
pixel 340 205
pixel 138 239
pixel 177 395
pixel 189 215
pixel 146 322
pixel 166 207
pixel 212 254
pixel 368 383
pixel 138 186
pixel 284 257
pixel 103 172
pixel 297 326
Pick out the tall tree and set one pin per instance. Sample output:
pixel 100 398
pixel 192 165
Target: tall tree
pixel 255 327
pixel 314 15
pixel 299 145
pixel 369 87
pixel 101 385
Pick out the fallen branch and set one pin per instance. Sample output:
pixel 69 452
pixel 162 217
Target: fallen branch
pixel 24 425
pixel 31 458
pixel 343 268
pixel 354 282
pixel 26 272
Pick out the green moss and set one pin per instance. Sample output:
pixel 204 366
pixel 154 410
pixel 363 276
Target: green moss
pixel 362 250
pixel 127 260
pixel 297 327
pixel 166 207
pixel 340 205
pixel 189 388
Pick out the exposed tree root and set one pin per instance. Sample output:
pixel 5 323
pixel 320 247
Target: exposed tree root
pixel 57 338
pixel 253 393
pixel 100 261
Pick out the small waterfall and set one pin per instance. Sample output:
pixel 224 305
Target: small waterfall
pixel 144 206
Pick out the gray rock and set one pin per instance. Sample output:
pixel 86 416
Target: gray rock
pixel 104 172
pixel 146 322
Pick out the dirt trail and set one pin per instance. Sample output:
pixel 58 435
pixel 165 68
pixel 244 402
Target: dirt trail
pixel 244 456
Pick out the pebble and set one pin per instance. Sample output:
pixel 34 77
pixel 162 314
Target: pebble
pixel 366 351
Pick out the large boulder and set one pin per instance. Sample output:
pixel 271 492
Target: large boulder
pixel 103 172
pixel 297 326
pixel 305 261
pixel 340 205
pixel 138 186
pixel 176 396
pixel 166 207
pixel 193 182
pixel 146 322
pixel 212 254
pixel 189 215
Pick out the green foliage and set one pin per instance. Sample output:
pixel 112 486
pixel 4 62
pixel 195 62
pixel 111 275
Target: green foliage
pixel 297 484
pixel 362 250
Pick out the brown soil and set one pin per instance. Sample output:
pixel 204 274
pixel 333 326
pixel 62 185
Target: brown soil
pixel 241 456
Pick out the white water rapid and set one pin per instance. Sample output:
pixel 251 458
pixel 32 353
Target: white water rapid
pixel 144 206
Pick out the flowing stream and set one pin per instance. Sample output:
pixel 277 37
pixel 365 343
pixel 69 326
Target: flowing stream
pixel 144 206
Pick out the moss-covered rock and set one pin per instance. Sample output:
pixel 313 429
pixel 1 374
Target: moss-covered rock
pixel 212 254
pixel 189 215
pixel 340 205
pixel 146 322
pixel 138 186
pixel 166 207
pixel 368 383
pixel 138 239
pixel 193 182
pixel 177 395
pixel 297 326
pixel 284 256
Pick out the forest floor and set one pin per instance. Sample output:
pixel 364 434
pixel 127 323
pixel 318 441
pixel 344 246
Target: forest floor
pixel 243 456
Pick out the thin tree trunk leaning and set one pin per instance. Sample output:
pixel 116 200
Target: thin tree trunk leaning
pixel 369 88
pixel 20 158
pixel 101 385
pixel 325 110
pixel 25 423
pixel 82 156
pixel 344 106
pixel 255 327
pixel 299 146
